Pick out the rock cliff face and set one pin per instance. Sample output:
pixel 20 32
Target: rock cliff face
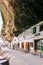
pixel 8 20
pixel 26 12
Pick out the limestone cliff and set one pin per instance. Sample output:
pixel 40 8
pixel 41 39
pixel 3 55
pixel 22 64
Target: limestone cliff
pixel 8 23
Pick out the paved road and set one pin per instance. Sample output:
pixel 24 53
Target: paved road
pixel 21 58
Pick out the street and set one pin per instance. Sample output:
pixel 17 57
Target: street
pixel 21 58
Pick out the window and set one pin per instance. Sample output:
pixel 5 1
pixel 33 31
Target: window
pixel 38 45
pixel 34 30
pixel 41 27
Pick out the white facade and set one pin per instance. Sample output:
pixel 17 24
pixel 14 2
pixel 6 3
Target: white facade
pixel 29 36
pixel 14 41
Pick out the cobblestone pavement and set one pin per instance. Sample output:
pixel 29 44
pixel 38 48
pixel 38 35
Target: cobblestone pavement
pixel 21 58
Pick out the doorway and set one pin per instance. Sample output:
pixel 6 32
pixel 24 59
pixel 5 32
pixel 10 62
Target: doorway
pixel 22 45
pixel 27 46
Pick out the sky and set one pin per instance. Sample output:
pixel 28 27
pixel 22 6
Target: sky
pixel 1 22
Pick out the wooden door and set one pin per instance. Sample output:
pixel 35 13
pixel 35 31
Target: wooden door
pixel 18 44
pixel 27 45
pixel 23 45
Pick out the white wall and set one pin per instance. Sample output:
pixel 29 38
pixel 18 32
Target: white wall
pixel 29 34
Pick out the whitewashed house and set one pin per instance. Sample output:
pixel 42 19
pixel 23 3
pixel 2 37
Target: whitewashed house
pixel 14 42
pixel 32 38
